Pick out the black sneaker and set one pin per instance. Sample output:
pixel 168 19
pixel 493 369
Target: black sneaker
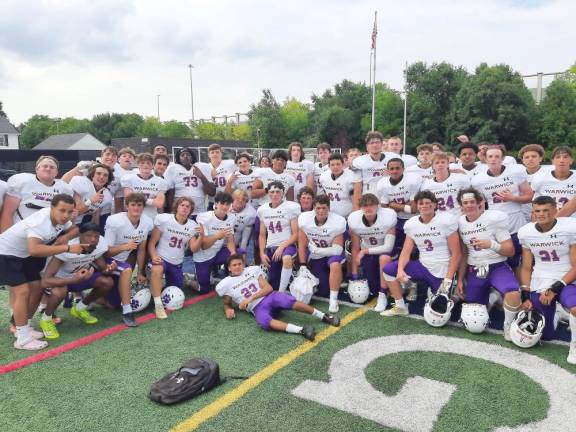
pixel 308 332
pixel 129 319
pixel 333 320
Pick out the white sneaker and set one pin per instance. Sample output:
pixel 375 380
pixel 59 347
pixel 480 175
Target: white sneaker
pixel 572 354
pixel 35 334
pixel 31 345
pixel 160 312
pixel 333 308
pixel 382 304
pixel 506 331
pixel 395 311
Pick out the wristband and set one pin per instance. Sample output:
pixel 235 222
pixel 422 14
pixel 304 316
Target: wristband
pixel 88 202
pixel 407 209
pixel 557 286
pixel 524 295
pixel 354 277
pixel 495 246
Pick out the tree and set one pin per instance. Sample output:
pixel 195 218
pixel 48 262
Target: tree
pixel 68 125
pixel 558 114
pixel 494 105
pixel 127 126
pixel 150 127
pixel 266 121
pixel 431 91
pixel 175 129
pixel 35 130
pixel 389 113
pixel 102 126
pixel 295 116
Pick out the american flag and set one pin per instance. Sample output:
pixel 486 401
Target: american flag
pixel 374 34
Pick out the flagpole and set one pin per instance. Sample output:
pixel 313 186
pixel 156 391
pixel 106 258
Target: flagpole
pixel 405 107
pixel 370 69
pixel 374 35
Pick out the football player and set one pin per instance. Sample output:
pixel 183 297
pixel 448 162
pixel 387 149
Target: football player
pixel 351 154
pixel 306 199
pixel 338 184
pixel 301 169
pixel 245 219
pixel 467 153
pixel 125 165
pixel 278 233
pixel 436 237
pixel 247 287
pixel 172 234
pixel 220 169
pixel 372 231
pixel 424 166
pixel 276 173
pixel 243 178
pixel 531 156
pixel 369 167
pixel 488 243
pixel 549 243
pixel 161 163
pixel 323 152
pixel 395 149
pixel 91 193
pixel 321 247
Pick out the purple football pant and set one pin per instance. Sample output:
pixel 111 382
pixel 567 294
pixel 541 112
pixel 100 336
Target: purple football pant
pixel 275 269
pixel 514 261
pixel 203 268
pixel 113 297
pixel 268 309
pixel 500 276
pixel 417 273
pixel 567 299
pixel 84 285
pixel 400 237
pixel 321 269
pixel 172 273
pixel 371 268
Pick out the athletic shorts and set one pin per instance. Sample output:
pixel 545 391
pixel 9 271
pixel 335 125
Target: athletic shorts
pixel 15 271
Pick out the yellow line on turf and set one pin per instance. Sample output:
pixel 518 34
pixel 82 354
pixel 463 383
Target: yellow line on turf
pixel 224 401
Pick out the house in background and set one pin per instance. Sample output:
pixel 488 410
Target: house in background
pixel 77 141
pixel 8 135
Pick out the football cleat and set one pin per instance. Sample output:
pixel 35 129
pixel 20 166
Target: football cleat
pixel 160 312
pixel 382 303
pixel 333 320
pixel 506 332
pixel 129 320
pixel 31 345
pixel 395 311
pixel 308 332
pixel 83 315
pixel 49 329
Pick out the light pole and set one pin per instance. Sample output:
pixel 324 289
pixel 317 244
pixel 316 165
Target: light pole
pixel 158 106
pixel 191 93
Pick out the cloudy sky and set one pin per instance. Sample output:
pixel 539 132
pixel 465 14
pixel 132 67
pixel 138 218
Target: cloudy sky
pixel 79 58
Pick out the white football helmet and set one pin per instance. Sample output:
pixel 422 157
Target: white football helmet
pixel 475 317
pixel 438 309
pixel 358 291
pixel 172 298
pixel 526 329
pixel 140 299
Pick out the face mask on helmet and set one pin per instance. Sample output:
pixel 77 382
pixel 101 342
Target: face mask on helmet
pixel 526 329
pixel 438 309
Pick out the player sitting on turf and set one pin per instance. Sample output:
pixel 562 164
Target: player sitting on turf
pixel 77 272
pixel 125 233
pixel 172 234
pixel 550 243
pixel 487 244
pixel 436 237
pixel 278 233
pixel 247 287
pixel 321 246
pixel 372 230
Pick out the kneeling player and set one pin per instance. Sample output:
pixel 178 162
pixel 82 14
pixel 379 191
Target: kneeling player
pixel 247 287
pixel 551 244
pixel 436 237
pixel 171 235
pixel 321 245
pixel 77 272
pixel 372 231
pixel 488 245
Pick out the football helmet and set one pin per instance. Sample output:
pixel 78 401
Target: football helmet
pixel 172 298
pixel 140 298
pixel 438 309
pixel 475 317
pixel 358 291
pixel 526 329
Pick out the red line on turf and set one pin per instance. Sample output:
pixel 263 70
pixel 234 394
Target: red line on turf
pixel 86 340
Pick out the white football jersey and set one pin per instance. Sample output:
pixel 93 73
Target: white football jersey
pixel 277 221
pixel 339 190
pixel 119 230
pixel 321 236
pixel 3 187
pixel 175 237
pixel 318 170
pixel 242 287
pixel 369 171
pixel 267 175
pixel 119 173
pixel 424 173
pixel 400 193
pixel 544 183
pixel 408 160
pixel 300 171
pixel 185 183
pixel 551 249
pixel 14 241
pixel 527 208
pixel 478 168
pixel 431 239
pixel 446 192
pixel 244 218
pixel 72 262
pixel 373 235
pixel 33 194
pixel 220 175
pixel 246 182
pixel 491 225
pixel 509 160
pixel 150 188
pixel 212 225
pixel 510 179
pixel 84 187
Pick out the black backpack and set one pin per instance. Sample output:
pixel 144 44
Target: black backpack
pixel 195 377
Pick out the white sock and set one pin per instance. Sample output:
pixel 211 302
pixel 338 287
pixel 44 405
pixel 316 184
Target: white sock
pixel 318 314
pixel 400 303
pixel 157 301
pixel 333 296
pixel 291 328
pixel 509 316
pixel 46 317
pixel 80 306
pixel 284 279
pixel 573 327
pixel 22 333
pixel 126 308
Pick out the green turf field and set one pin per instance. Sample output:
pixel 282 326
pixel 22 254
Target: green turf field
pixel 103 386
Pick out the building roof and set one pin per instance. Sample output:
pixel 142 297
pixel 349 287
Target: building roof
pixel 65 141
pixel 6 127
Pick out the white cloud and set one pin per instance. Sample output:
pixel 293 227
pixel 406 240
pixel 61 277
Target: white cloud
pixel 79 58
